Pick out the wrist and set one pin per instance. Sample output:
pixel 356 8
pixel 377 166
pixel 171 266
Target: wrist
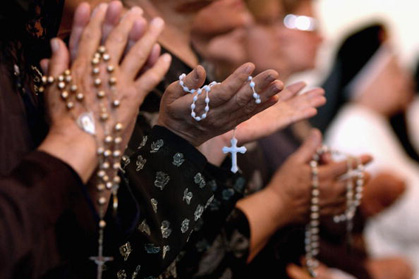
pixel 281 210
pixel 213 150
pixel 179 131
pixel 74 147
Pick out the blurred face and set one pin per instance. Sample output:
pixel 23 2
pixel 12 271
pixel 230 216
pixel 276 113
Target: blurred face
pixel 221 17
pixel 220 27
pixel 287 49
pixel 300 47
pixel 391 91
pixel 262 41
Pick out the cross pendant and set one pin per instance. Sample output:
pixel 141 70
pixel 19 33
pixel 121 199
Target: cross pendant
pixel 100 261
pixel 233 149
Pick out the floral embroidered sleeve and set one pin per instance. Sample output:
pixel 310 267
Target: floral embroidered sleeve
pixel 217 250
pixel 168 178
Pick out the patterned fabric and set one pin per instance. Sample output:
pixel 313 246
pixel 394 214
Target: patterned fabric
pixel 185 203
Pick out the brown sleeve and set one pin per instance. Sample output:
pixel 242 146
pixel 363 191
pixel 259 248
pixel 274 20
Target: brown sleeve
pixel 38 192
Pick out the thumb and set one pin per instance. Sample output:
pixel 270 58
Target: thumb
pixel 296 272
pixel 60 58
pixel 309 147
pixel 194 79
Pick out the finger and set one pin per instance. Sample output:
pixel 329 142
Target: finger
pixel 365 159
pixel 92 33
pixel 296 272
pixel 292 90
pixel 304 114
pixel 333 170
pixel 152 59
pixel 308 104
pixel 60 58
pixel 337 169
pixel 195 79
pixel 228 88
pixel 112 17
pixel 81 18
pixel 44 65
pixel 264 80
pixel 309 147
pixel 261 107
pixel 153 76
pixel 139 53
pixel 326 158
pixel 246 95
pixel 315 97
pixel 137 31
pixel 118 37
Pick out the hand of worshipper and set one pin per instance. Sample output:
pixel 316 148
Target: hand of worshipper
pixel 287 198
pixel 231 102
pixel 290 108
pixel 323 272
pixel 292 183
pixel 93 91
pixel 382 191
pixel 390 268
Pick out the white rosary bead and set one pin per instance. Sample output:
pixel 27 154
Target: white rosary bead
pixel 207 89
pixel 252 84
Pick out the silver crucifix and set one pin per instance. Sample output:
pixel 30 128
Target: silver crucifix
pixel 100 260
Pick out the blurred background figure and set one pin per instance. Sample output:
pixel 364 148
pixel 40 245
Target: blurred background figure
pixel 413 111
pixel 369 92
pixel 291 48
pixel 288 49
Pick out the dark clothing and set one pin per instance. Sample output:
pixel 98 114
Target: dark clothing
pixel 40 196
pixel 182 241
pixel 49 223
pixel 35 198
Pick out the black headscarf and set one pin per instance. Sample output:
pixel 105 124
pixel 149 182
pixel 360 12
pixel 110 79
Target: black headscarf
pixel 26 26
pixel 352 55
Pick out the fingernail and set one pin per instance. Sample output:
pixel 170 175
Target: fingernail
pixel 196 75
pixel 157 22
pixel 55 45
pixel 249 69
pixel 136 9
pixel 99 7
pixel 270 78
pixel 167 57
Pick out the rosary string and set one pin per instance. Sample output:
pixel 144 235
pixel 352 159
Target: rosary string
pixel 233 149
pixel 353 200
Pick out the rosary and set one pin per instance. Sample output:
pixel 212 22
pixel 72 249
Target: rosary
pixel 233 149
pixel 353 200
pixel 109 150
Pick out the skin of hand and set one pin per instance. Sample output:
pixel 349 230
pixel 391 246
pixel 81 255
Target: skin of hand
pixel 286 199
pixel 298 272
pixel 129 42
pixel 382 191
pixel 390 268
pixel 290 108
pixel 231 102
